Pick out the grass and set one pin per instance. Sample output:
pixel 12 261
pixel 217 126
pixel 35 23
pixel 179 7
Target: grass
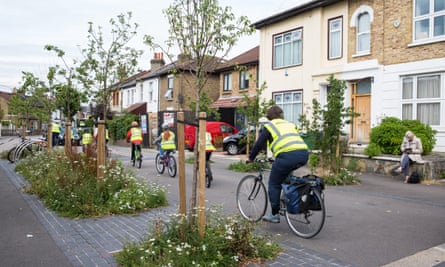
pixel 68 185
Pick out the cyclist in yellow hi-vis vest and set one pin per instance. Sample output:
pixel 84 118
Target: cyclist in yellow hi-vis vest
pixel 135 136
pixel 168 143
pixel 289 150
pixel 55 129
pixel 87 139
pixel 209 149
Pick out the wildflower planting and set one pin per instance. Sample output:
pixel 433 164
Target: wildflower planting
pixel 69 186
pixel 227 241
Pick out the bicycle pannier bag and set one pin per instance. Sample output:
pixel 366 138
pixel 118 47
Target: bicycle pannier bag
pixel 296 193
pixel 314 203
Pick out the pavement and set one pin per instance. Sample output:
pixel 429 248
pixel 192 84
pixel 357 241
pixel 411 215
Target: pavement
pixel 32 235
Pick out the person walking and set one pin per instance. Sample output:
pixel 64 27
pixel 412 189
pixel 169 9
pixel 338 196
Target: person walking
pixel 289 150
pixel 55 129
pixel 210 147
pixel 135 137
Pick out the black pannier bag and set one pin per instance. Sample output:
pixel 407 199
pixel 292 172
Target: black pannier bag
pixel 314 203
pixel 296 192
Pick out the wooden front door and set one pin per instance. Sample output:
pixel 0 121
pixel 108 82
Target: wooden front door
pixel 361 103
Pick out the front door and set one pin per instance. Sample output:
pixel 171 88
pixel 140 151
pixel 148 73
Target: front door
pixel 361 103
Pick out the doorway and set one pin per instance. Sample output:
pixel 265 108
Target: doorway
pixel 361 103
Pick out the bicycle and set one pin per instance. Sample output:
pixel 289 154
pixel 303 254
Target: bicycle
pixel 252 201
pixel 25 148
pixel 167 161
pixel 137 160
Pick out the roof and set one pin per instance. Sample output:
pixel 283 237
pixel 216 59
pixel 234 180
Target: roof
pixel 229 102
pixel 250 57
pixel 309 5
pixel 137 108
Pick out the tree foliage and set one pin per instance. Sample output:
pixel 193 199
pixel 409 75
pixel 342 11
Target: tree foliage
pixel 204 32
pixel 31 100
pixel 64 81
pixel 109 60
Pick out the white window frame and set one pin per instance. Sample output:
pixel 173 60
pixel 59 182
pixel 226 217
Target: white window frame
pixel 411 101
pixel 354 23
pixel 227 82
pixel 335 43
pixel 243 80
pixel 429 17
pixel 288 46
pixel 292 104
pixel 150 92
pixel 170 81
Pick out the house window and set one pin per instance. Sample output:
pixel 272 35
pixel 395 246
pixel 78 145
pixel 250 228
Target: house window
pixel 227 86
pixel 169 94
pixel 243 80
pixel 421 98
pixel 288 49
pixel 132 96
pixel 363 33
pixel 335 38
pixel 141 93
pixel 292 104
pixel 150 92
pixel 429 20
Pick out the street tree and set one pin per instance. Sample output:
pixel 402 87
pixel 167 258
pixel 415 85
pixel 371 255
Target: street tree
pixel 109 59
pixel 204 32
pixel 31 101
pixel 64 81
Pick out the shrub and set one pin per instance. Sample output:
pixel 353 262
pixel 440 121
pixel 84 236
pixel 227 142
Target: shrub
pixel 69 186
pixel 373 150
pixel 389 135
pixel 119 126
pixel 227 241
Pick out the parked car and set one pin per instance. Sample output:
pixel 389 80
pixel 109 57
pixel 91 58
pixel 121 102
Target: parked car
pixel 237 143
pixel 218 129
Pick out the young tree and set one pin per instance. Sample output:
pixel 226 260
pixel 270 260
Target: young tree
pixel 64 80
pixel 107 63
pixel 31 100
pixel 203 32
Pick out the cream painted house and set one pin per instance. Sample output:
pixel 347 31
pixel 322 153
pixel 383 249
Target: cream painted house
pixel 392 59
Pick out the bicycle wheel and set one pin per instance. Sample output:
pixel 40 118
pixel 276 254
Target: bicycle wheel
pixel 307 224
pixel 251 198
pixel 160 167
pixel 11 154
pixel 208 177
pixel 171 168
pixel 139 160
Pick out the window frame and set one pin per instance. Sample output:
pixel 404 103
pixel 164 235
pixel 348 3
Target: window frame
pixel 411 101
pixel 170 84
pixel 431 15
pixel 243 80
pixel 299 46
pixel 293 115
pixel 340 53
pixel 361 34
pixel 227 82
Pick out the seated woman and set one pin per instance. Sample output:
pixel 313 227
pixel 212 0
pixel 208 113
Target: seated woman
pixel 412 149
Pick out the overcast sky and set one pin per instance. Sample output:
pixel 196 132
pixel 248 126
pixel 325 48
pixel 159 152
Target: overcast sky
pixel 26 26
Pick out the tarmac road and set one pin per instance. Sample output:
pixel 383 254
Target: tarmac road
pixel 378 222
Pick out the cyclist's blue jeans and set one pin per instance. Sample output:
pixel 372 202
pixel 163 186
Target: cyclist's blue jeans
pixel 284 163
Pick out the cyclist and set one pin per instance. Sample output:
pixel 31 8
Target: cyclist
pixel 55 129
pixel 134 135
pixel 87 139
pixel 167 141
pixel 209 149
pixel 289 150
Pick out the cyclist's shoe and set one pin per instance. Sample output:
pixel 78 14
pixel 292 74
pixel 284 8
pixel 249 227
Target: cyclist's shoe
pixel 272 218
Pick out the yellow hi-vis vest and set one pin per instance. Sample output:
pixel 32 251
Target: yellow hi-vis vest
pixel 87 138
pixel 136 134
pixel 168 144
pixel 55 128
pixel 209 145
pixel 285 137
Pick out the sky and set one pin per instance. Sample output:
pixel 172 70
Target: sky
pixel 27 26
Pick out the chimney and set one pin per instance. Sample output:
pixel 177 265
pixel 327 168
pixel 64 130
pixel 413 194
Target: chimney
pixel 157 61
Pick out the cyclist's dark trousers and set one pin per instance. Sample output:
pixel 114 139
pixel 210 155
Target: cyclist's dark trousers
pixel 284 163
pixel 55 140
pixel 133 147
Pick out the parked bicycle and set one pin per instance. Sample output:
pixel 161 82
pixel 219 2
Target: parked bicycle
pixel 137 160
pixel 307 222
pixel 168 162
pixel 25 148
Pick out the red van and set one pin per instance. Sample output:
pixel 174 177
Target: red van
pixel 217 129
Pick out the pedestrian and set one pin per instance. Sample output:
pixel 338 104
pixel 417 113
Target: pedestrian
pixel 411 148
pixel 289 150
pixel 55 129
pixel 87 139
pixel 210 147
